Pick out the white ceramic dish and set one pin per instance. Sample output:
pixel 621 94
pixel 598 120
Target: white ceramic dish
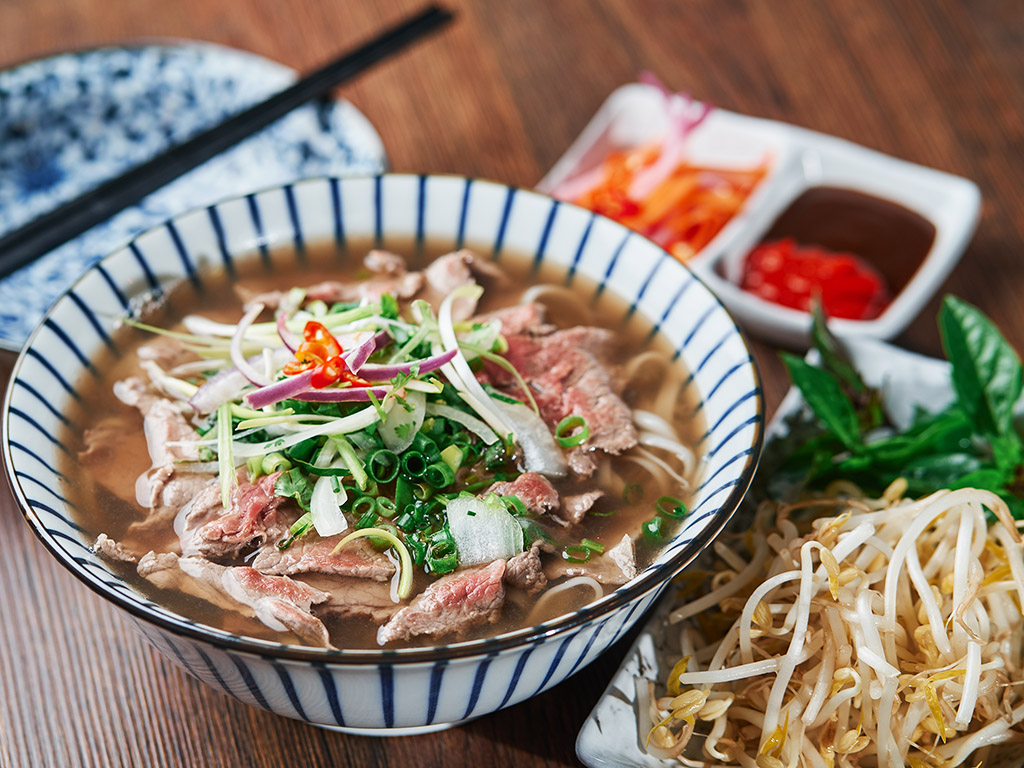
pixel 404 690
pixel 609 735
pixel 73 121
pixel 800 159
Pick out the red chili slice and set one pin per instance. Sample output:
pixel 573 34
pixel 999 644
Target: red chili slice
pixel 784 273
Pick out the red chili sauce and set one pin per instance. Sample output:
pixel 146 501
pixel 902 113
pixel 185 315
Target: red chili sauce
pixel 851 251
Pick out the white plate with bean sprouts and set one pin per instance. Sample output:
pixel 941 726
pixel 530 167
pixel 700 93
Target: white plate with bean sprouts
pixel 817 669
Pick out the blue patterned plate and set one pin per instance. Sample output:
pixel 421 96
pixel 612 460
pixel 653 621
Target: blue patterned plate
pixel 70 122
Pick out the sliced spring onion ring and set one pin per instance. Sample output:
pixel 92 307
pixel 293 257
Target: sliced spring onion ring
pixel 566 432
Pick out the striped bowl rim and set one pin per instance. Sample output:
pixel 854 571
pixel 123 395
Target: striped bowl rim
pixel 652 578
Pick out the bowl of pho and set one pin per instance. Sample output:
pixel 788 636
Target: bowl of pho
pixel 349 437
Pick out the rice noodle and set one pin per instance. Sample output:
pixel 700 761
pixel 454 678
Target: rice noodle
pixel 577 581
pixel 898 644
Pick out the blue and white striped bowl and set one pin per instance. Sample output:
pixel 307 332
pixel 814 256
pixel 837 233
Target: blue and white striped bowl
pixel 405 690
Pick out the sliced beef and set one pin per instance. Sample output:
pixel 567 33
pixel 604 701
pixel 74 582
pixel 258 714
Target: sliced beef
pixel 353 598
pixel 168 486
pixel 535 491
pixel 448 272
pixel 250 522
pixel 452 605
pixel 616 566
pixel 568 373
pixel 162 422
pixel 312 554
pixel 113 550
pixel 385 263
pixel 167 352
pixel 164 491
pixel 278 601
pixel 526 572
pixel 521 320
pixel 204 507
pixel 574 508
pixel 403 285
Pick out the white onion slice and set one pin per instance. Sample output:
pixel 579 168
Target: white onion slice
pixel 541 453
pixel 483 531
pixel 399 429
pixel 472 423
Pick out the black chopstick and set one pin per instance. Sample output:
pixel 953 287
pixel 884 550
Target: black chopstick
pixel 43 234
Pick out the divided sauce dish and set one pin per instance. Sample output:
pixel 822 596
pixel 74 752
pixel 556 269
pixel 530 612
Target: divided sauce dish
pixel 797 161
pixel 358 690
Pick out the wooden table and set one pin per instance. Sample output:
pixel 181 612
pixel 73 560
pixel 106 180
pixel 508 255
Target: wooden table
pixel 501 95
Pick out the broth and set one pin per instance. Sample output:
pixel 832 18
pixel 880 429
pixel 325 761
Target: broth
pixel 103 491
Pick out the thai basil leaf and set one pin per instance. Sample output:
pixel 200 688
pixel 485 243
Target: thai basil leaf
pixel 833 357
pixel 821 391
pixel 940 470
pixel 836 360
pixel 1007 453
pixel 986 370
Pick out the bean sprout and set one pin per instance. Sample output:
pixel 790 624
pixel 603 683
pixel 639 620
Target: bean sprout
pixel 900 641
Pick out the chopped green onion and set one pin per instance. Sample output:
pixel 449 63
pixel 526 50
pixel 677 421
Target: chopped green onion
pixel 651 530
pixel 417 548
pixel 255 466
pixel 275 462
pixel 442 555
pixel 593 546
pixel 403 494
pixel 565 432
pixel 576 554
pixel 514 505
pixel 422 492
pixel 495 456
pixel 386 507
pixel 426 446
pixel 632 493
pixel 383 465
pixel 363 504
pixel 414 463
pixel 675 508
pixel 439 475
pixel 379 542
pixel 452 456
pixel 405 559
pixel 388 306
pixel 348 455
pixel 532 532
pixel 317 308
pixel 369 520
pixel 299 528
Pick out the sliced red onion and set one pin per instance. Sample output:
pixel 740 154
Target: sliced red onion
pixel 254 376
pixel 229 384
pixel 290 339
pixel 347 395
pixel 281 390
pixel 358 356
pixel 382 372
pixel 673 144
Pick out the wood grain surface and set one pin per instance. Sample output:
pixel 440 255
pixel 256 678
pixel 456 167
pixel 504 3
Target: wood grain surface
pixel 501 95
